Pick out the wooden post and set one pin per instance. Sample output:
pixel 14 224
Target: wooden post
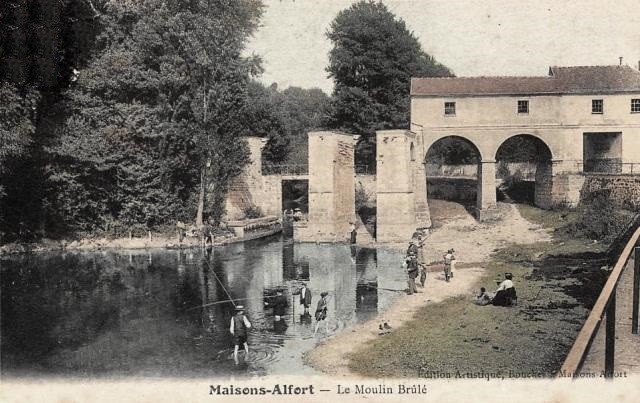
pixel 610 337
pixel 149 235
pixel 636 291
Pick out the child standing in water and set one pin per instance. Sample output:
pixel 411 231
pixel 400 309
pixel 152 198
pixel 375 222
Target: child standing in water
pixel 239 327
pixel 321 312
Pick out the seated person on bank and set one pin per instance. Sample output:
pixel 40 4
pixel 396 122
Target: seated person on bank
pixel 506 292
pixel 484 298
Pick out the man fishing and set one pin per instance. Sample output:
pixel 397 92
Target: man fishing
pixel 239 327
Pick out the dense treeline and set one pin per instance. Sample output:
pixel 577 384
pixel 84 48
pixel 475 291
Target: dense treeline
pixel 125 114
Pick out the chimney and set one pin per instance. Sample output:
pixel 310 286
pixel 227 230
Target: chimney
pixel 620 60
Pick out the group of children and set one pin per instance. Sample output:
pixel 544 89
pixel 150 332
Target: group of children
pixel 415 263
pixel 240 324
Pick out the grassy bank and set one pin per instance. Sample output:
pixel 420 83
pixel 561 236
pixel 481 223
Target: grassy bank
pixel 556 282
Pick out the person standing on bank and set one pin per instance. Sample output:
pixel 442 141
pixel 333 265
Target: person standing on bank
pixel 422 264
pixel 354 233
pixel 207 233
pixel 239 329
pixel 305 298
pixel 412 273
pixel 448 258
pixel 321 312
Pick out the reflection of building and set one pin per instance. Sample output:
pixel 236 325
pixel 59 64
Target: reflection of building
pixel 332 269
pixel 367 283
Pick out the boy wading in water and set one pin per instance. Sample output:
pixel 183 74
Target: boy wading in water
pixel 321 312
pixel 239 327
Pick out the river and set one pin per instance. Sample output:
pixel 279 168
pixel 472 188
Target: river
pixel 140 312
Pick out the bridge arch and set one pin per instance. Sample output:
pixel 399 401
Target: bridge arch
pixel 452 164
pixel 430 142
pixel 541 147
pixel 524 168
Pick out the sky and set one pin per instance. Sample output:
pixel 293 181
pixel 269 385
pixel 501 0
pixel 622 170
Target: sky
pixel 472 37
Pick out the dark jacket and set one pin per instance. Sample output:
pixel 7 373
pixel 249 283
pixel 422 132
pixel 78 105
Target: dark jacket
pixel 412 250
pixel 280 305
pixel 239 328
pixel 306 298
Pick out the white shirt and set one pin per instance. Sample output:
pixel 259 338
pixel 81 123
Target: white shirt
pixel 504 285
pixel 246 323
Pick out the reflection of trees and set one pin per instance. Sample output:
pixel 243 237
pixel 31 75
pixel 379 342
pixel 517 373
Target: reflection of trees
pixel 51 301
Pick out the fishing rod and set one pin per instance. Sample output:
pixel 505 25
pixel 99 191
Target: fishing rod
pixel 382 288
pixel 220 282
pixel 228 300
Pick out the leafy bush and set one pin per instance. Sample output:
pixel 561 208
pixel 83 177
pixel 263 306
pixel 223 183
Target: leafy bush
pixel 599 219
pixel 252 212
pixel 363 198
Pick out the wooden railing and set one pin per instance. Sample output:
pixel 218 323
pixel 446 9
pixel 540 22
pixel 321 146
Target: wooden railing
pixel 606 303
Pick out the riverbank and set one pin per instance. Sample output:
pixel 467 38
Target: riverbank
pixel 249 230
pixel 363 351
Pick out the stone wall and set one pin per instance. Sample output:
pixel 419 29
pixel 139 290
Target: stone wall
pixel 400 186
pixel 271 203
pixel 245 191
pixel 624 190
pixel 331 189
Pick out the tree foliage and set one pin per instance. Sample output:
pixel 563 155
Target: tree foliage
pixel 373 58
pixel 302 110
pixel 42 42
pixel 285 118
pixel 372 61
pixel 156 111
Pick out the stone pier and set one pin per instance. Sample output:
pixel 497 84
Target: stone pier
pixel 486 207
pixel 247 190
pixel 331 189
pixel 400 186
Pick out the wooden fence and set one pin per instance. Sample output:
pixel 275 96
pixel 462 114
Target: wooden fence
pixel 606 304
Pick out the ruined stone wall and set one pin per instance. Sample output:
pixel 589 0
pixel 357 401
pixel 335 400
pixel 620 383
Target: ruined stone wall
pixel 245 191
pixel 558 190
pixel 271 203
pixel 624 190
pixel 331 188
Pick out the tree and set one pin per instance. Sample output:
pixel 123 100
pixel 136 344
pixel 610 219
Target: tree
pixel 302 110
pixel 263 118
pixel 372 61
pixel 17 117
pixel 284 118
pixel 156 114
pixel 42 42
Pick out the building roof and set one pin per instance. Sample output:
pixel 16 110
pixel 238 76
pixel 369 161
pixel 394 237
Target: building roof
pixel 561 80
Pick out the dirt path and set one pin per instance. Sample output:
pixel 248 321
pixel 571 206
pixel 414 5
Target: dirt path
pixel 473 242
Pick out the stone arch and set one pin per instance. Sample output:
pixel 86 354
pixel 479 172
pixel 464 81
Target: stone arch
pixel 539 141
pixel 524 163
pixel 433 141
pixel 452 165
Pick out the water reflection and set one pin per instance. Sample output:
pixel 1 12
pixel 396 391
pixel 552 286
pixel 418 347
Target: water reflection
pixel 168 312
